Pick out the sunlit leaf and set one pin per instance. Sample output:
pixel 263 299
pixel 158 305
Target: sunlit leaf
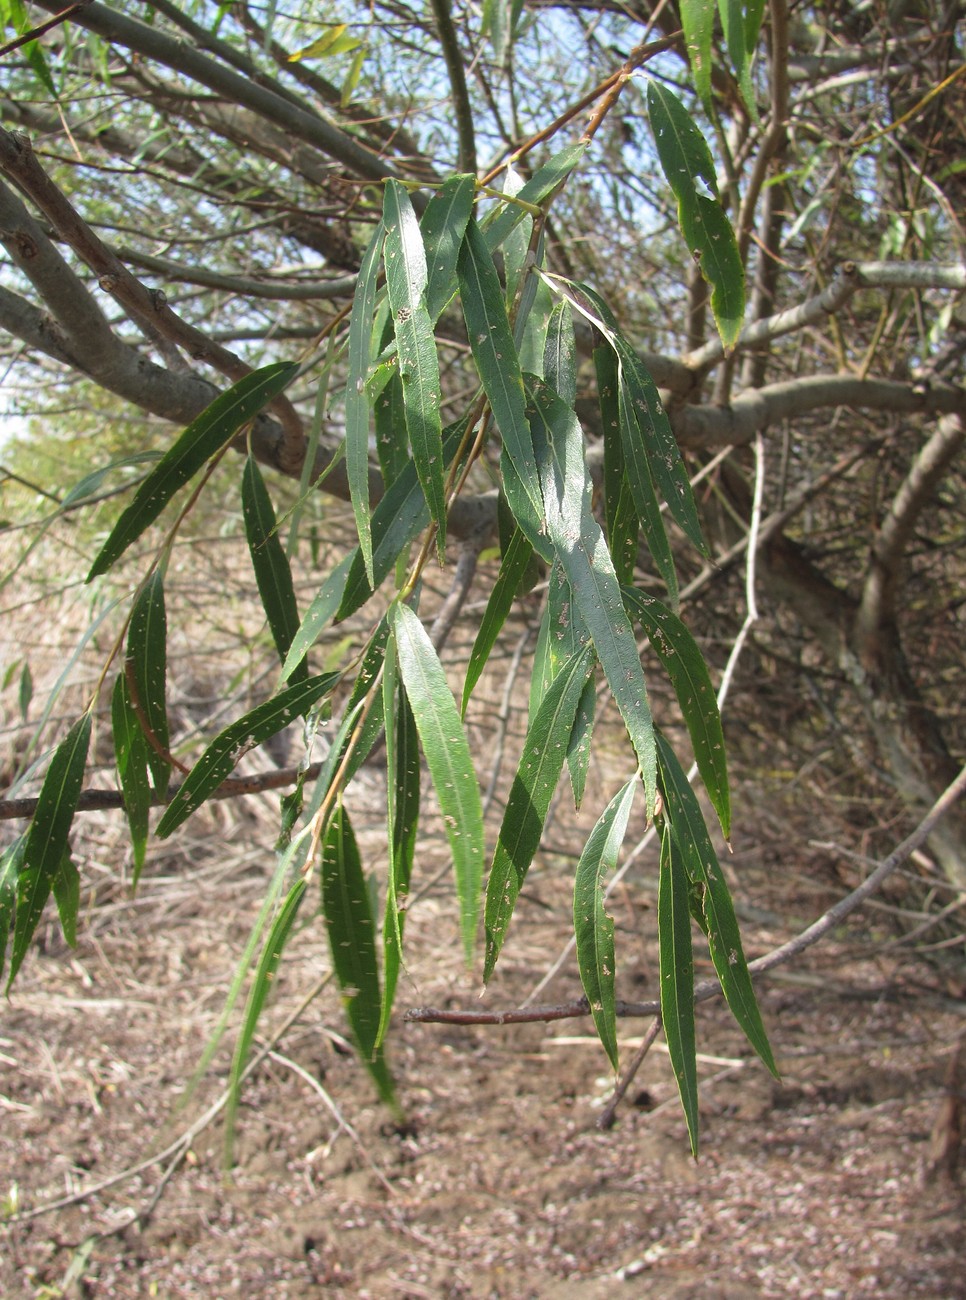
pixel 272 572
pixel 46 844
pixel 560 354
pixel 358 406
pixel 593 928
pixel 347 911
pixel 676 967
pixel 582 551
pixel 544 182
pixel 541 762
pixel 320 612
pixel 254 728
pixel 406 280
pixel 697 19
pixel 443 226
pixel 491 341
pixel 685 666
pixel 687 828
pixel 448 759
pixel 205 436
pixel 687 163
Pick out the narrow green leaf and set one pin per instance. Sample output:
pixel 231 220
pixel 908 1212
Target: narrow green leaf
pixel 205 436
pixel 676 966
pixel 399 517
pixel 47 840
pixel 623 527
pixel 406 280
pixel 545 181
pixel 402 806
pixel 347 910
pixel 146 667
pixel 268 964
pixel 443 225
pixel 448 759
pixel 131 757
pixel 687 827
pixel 392 447
pixel 272 572
pixel 541 763
pixel 647 509
pixel 582 551
pixel 664 455
pixel 26 692
pixel 322 609
pixel 560 354
pixel 675 647
pixel 697 19
pixel 593 928
pixel 66 886
pixel 491 341
pixel 687 163
pixel 11 863
pixel 578 750
pixel 253 729
pixel 357 399
pixel 351 83
pixel 512 571
pixel 741 23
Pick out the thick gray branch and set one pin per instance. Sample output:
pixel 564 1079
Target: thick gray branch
pixel 182 57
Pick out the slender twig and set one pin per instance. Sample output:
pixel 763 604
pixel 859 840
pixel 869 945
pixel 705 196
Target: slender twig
pixel 453 58
pixel 41 28
pixel 609 1112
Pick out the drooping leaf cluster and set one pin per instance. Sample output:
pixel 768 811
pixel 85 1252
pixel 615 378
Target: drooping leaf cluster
pixel 485 260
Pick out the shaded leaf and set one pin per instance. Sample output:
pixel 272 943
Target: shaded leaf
pixel 146 667
pixel 687 163
pixel 347 910
pixel 710 891
pixel 46 843
pixel 593 928
pixel 676 964
pixel 11 862
pixel 268 964
pixel 205 436
pixel 541 763
pixel 578 751
pixel 66 886
pixel 272 572
pixel 448 759
pixel 619 514
pixel 512 572
pixel 253 729
pixel 131 758
pixel 685 666
pixel 402 810
pixel 647 509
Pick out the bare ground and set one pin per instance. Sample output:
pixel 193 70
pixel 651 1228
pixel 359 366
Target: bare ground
pixel 499 1184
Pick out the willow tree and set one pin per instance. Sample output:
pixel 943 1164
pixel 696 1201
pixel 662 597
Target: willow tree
pixel 516 276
